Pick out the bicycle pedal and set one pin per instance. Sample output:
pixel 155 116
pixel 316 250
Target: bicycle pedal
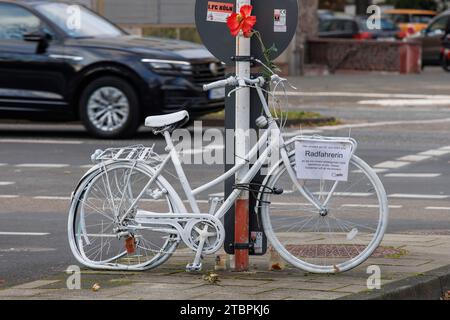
pixel 192 267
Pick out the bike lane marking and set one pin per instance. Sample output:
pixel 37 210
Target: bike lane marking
pixel 6 183
pixel 414 158
pixel 51 198
pixel 418 196
pixel 24 233
pixel 438 208
pixel 33 141
pixel 412 175
pixel 42 165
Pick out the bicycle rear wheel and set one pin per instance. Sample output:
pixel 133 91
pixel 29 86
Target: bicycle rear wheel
pixel 333 240
pixel 97 237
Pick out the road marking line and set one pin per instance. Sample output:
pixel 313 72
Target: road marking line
pixel 365 95
pixel 24 234
pixel 392 164
pixel 32 141
pixel 414 158
pixel 3 164
pixel 7 196
pixel 51 198
pixel 41 165
pixel 370 206
pixel 445 148
pixel 435 152
pixel 437 208
pixel 87 166
pixel 412 175
pixel 406 102
pixel 367 125
pixel 346 194
pixel 418 196
pixel 6 183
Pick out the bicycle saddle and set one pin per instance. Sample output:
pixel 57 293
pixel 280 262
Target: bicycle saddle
pixel 156 122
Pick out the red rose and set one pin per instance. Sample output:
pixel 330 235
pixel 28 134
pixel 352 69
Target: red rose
pixel 242 21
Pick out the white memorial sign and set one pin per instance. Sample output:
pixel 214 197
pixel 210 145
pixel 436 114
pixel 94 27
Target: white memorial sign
pixel 327 160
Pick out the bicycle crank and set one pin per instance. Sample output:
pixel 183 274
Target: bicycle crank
pixel 195 230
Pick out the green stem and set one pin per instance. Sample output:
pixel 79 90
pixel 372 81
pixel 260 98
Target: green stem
pixel 266 55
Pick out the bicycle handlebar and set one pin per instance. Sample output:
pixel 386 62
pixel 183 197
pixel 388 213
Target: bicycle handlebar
pixel 233 81
pixel 220 83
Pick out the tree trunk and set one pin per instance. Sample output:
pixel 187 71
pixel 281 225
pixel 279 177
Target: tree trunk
pixel 307 28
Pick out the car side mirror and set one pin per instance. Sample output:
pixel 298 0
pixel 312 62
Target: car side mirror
pixel 42 39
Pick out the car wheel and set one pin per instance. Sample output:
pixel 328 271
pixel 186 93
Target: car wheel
pixel 445 64
pixel 109 108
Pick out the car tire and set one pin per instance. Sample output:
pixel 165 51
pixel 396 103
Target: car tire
pixel 109 108
pixel 445 64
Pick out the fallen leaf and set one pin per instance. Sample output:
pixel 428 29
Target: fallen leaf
pixel 276 266
pixel 212 278
pixel 446 296
pixel 95 287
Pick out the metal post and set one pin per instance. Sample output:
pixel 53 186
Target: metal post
pixel 242 147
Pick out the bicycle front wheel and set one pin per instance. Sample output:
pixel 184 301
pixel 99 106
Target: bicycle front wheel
pixel 333 240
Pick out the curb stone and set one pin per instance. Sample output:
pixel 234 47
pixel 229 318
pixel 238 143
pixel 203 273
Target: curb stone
pixel 431 285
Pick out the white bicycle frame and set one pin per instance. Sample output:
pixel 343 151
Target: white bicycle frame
pixel 270 141
pixel 276 144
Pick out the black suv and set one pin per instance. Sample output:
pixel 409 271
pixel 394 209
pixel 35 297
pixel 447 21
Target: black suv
pixel 59 61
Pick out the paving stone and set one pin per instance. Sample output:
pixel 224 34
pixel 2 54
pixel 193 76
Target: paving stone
pixel 35 284
pixel 353 288
pixel 425 253
pixel 22 293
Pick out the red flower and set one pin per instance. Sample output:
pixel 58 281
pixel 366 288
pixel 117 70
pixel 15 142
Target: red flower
pixel 242 21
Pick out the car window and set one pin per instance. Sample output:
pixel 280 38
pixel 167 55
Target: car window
pixel 417 18
pixel 399 18
pixel 15 21
pixel 348 26
pixel 89 24
pixel 439 25
pixel 388 25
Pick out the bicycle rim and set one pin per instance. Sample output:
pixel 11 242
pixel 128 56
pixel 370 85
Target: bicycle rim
pixel 334 241
pixel 94 228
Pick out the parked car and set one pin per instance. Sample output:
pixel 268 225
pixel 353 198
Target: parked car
pixel 410 21
pixel 431 38
pixel 341 27
pixel 445 53
pixel 324 13
pixel 388 29
pixel 95 72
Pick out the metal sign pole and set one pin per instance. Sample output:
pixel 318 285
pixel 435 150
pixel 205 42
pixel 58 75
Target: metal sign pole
pixel 242 147
pixel 277 24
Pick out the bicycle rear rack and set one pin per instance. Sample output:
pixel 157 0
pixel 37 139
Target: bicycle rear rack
pixel 131 153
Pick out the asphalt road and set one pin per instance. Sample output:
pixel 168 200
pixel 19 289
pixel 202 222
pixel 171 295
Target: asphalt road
pixel 407 142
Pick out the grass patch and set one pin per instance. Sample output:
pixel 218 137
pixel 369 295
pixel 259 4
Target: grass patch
pixel 398 255
pixel 307 117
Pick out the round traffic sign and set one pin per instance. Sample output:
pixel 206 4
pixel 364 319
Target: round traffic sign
pixel 276 21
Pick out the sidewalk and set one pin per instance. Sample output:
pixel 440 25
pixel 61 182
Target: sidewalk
pixel 417 254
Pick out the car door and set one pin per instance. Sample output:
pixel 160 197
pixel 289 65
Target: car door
pixel 31 79
pixel 432 39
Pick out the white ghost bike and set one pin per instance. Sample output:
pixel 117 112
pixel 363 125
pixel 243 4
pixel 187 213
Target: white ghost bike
pixel 124 215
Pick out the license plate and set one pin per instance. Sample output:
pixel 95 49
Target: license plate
pixel 215 94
